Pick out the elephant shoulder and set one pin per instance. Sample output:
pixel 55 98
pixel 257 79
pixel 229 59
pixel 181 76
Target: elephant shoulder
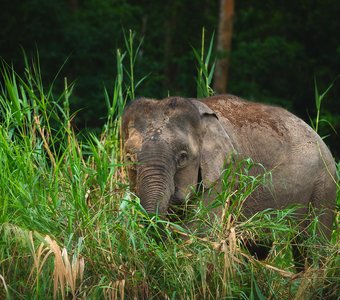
pixel 263 128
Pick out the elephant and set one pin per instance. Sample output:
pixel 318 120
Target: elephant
pixel 173 144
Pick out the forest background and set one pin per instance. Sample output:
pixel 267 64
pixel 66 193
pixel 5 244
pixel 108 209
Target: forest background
pixel 279 49
pixel 69 225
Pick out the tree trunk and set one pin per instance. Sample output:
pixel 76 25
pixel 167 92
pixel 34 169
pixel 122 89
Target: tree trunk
pixel 74 5
pixel 225 31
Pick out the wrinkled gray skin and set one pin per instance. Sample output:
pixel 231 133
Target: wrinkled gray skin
pixel 175 142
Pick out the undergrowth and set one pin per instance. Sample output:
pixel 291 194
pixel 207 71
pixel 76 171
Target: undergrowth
pixel 71 229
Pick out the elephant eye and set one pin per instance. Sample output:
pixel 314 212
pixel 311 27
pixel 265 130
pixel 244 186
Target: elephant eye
pixel 130 159
pixel 182 158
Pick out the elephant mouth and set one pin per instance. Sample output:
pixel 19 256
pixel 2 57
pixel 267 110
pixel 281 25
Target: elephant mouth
pixel 179 197
pixel 175 200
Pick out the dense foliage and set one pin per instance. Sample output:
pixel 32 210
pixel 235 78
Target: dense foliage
pixel 278 48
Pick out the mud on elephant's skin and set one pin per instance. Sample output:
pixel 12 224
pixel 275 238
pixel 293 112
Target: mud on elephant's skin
pixel 177 142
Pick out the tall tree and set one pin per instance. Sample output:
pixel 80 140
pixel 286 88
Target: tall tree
pixel 225 32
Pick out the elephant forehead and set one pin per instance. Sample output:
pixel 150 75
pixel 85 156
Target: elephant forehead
pixel 160 126
pixel 137 137
pixel 176 139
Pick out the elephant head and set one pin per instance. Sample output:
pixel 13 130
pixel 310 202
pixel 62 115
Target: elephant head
pixel 170 146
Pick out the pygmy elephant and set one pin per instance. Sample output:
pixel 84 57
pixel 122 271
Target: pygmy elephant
pixel 176 143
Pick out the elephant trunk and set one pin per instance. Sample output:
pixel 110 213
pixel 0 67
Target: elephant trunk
pixel 155 177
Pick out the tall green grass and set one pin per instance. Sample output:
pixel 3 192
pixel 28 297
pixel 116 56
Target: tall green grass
pixel 205 69
pixel 71 229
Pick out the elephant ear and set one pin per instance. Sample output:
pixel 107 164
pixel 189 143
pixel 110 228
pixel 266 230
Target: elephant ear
pixel 216 147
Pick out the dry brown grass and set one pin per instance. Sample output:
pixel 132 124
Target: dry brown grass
pixel 67 272
pixel 115 290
